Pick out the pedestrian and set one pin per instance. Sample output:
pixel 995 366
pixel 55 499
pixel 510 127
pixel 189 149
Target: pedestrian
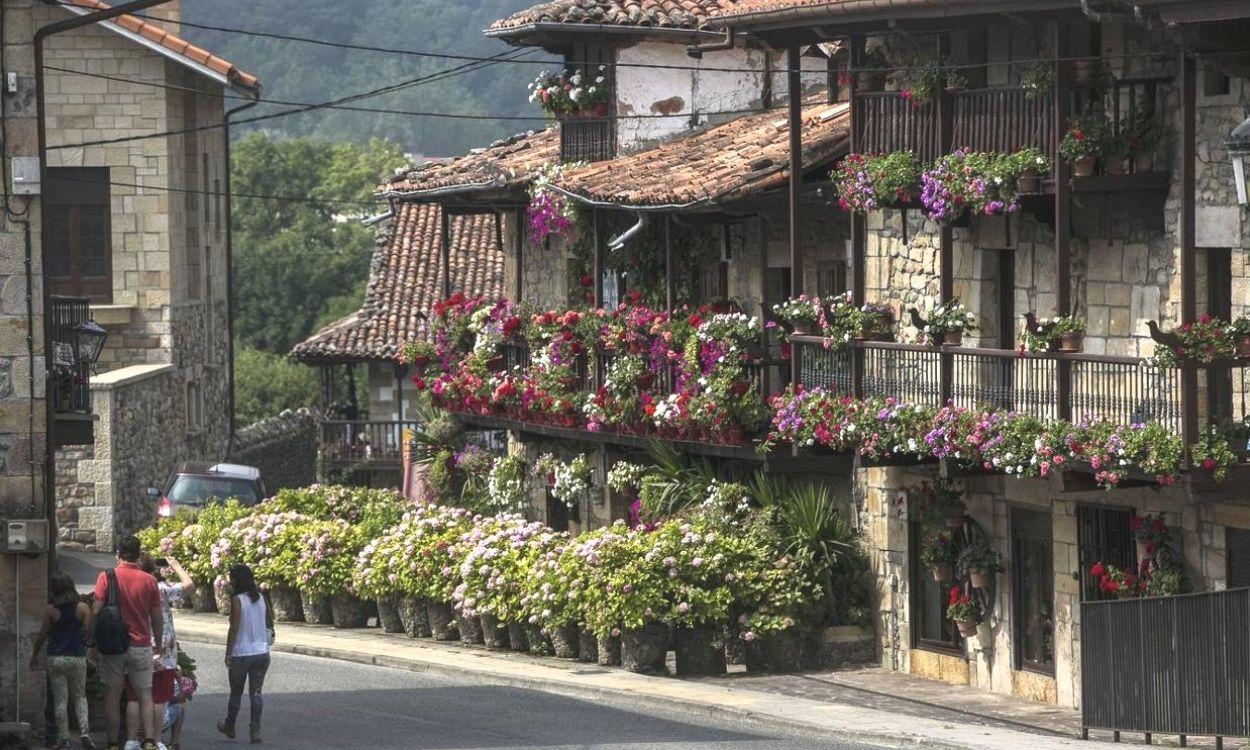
pixel 126 622
pixel 64 628
pixel 166 666
pixel 176 714
pixel 247 649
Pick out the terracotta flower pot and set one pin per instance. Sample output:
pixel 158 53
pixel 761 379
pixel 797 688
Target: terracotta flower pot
pixel 494 633
pixel 442 621
pixel 1116 166
pixel 953 338
pixel 867 333
pixel 1029 184
pixel 388 614
pixel 699 652
pixel 1071 342
pixel 1243 347
pixel 1145 550
pixel 979 579
pixel 349 612
pixel 1083 167
pixel 644 381
pixel 1144 162
pixel 967 628
pixel 412 611
pixel 609 651
pixel 943 572
pixel 564 640
pixel 802 327
pixel 645 650
pixel 316 608
pixel 287 606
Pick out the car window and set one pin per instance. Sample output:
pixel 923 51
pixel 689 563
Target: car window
pixel 196 490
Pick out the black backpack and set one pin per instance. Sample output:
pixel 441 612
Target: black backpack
pixel 111 638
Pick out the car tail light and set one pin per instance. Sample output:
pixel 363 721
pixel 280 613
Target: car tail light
pixel 165 508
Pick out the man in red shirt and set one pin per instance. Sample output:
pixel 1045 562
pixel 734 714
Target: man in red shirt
pixel 140 604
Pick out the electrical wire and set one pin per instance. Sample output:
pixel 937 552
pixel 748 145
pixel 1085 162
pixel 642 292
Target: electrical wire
pixel 222 193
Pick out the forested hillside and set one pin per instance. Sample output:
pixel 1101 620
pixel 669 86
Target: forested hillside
pixel 296 71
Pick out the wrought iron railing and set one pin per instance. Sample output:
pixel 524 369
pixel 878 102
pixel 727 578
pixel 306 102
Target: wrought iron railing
pixel 588 139
pixel 71 392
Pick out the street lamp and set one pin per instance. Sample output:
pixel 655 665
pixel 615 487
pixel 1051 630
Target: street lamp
pixel 89 340
pixel 1238 144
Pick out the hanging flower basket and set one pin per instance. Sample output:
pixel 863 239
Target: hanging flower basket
pixel 1071 342
pixel 979 579
pixel 943 572
pixel 967 628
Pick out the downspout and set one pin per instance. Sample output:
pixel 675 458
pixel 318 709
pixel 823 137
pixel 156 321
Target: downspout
pixel 696 50
pixel 231 438
pixel 619 241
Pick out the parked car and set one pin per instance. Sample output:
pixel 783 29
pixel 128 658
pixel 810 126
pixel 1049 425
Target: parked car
pixel 193 486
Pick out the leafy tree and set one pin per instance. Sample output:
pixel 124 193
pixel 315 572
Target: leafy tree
pixel 266 384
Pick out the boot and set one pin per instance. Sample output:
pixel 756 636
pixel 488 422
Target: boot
pixel 254 731
pixel 226 729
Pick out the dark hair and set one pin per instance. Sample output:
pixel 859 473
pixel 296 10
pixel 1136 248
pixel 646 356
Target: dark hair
pixel 61 589
pixel 148 565
pixel 243 582
pixel 129 549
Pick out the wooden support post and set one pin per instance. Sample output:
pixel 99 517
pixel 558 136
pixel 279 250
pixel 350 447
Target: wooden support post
pixel 794 64
pixel 444 252
pixel 596 217
pixel 519 251
pixel 859 227
pixel 668 263
pixel 946 239
pixel 1063 208
pixel 1189 282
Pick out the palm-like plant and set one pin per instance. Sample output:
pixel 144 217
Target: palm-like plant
pixel 675 482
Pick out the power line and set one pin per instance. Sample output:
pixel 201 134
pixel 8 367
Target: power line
pixel 223 194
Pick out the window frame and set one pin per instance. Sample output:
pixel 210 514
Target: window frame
pixel 1022 534
pixel 76 188
pixel 1090 551
pixel 917 578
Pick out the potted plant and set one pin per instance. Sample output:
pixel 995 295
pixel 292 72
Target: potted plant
pixel 1204 341
pixel 940 555
pixel 873 321
pixel 965 183
pixel 873 70
pixel 965 613
pixel 803 313
pixel 1061 333
pixel 1241 328
pixel 1085 140
pixel 572 93
pixel 1030 166
pixel 1119 583
pixel 1038 80
pixel 980 561
pixel 419 354
pixel 1149 532
pixel 947 323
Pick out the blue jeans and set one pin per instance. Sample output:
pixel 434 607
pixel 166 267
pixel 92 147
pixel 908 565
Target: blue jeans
pixel 249 671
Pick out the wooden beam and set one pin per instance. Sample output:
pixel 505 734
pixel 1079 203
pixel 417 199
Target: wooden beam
pixel 1188 242
pixel 444 252
pixel 519 250
pixel 669 281
pixel 859 225
pixel 794 63
pixel 1063 208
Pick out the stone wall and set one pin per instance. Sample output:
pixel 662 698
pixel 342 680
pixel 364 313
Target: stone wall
pixel 283 447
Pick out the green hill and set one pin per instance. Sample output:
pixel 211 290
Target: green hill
pixel 294 71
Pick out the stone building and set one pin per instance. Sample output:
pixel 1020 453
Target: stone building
pixel 141 230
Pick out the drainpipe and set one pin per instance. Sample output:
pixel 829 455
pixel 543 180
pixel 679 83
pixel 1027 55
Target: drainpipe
pixel 619 241
pixel 696 50
pixel 231 438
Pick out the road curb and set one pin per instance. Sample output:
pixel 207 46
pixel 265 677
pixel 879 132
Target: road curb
pixel 632 698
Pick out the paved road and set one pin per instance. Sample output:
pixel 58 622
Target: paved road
pixel 323 704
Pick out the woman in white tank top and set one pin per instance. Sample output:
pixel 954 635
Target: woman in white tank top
pixel 247 649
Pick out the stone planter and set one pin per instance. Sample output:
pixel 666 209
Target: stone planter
pixel 317 609
pixel 442 621
pixel 287 606
pixel 564 641
pixel 388 615
pixel 349 612
pixel 699 652
pixel 609 651
pixel 470 630
pixel 494 632
pixel 777 652
pixel 645 650
pixel 412 612
pixel 518 638
pixel 953 338
pixel 203 600
pixel 587 647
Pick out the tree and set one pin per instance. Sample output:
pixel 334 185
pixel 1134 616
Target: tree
pixel 266 384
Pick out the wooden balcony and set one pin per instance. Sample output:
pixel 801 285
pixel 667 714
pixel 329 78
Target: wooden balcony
pixel 363 453
pixel 887 122
pixel 587 139
pixel 1002 120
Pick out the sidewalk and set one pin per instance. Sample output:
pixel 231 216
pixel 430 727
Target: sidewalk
pixel 870 705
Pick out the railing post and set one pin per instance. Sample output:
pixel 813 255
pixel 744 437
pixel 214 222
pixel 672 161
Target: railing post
pixel 859 227
pixel 1189 284
pixel 1063 242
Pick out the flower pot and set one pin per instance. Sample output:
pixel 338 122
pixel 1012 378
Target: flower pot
pixel 442 621
pixel 564 641
pixel 221 598
pixel 316 608
pixel 1145 550
pixel 1071 342
pixel 609 651
pixel 388 615
pixel 1243 347
pixel 1144 162
pixel 518 638
pixel 867 333
pixel 286 603
pixel 699 652
pixel 349 612
pixel 776 652
pixel 802 327
pixel 870 81
pixel 203 600
pixel 587 647
pixel 645 650
pixel 979 579
pixel 412 611
pixel 494 633
pixel 1116 166
pixel 953 338
pixel 470 630
pixel 1083 167
pixel 943 572
pixel 967 628
pixel 1029 184
pixel 644 381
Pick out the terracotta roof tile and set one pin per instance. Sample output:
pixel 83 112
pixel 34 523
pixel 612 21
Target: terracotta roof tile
pixel 405 280
pixel 724 163
pixel 502 165
pixel 667 14
pixel 751 10
pixel 176 44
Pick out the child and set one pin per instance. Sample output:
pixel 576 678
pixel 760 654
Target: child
pixel 63 630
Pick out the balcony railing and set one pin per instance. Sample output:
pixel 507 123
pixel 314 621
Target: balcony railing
pixel 1002 120
pixel 369 453
pixel 587 139
pixel 888 122
pixel 1121 389
pixel 71 376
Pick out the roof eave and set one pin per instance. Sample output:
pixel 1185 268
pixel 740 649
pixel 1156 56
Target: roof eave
pixel 525 34
pixel 814 14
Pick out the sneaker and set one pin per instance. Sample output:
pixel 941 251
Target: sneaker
pixel 86 743
pixel 132 745
pixel 149 745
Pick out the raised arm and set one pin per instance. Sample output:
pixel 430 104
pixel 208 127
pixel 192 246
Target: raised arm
pixel 184 580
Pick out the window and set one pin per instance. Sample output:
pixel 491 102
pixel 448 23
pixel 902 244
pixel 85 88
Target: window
pixel 832 280
pixel 929 625
pixel 776 286
pixel 714 282
pixel 79 233
pixel 195 408
pixel 1214 82
pixel 195 272
pixel 1237 544
pixel 1103 535
pixel 1033 570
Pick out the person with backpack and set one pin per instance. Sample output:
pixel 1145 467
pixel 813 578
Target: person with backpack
pixel 64 624
pixel 126 621
pixel 247 649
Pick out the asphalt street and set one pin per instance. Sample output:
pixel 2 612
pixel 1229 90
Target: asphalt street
pixel 318 703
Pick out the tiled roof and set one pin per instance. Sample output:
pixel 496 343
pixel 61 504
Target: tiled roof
pixel 750 10
pixel 687 15
pixel 503 164
pixel 405 280
pixel 724 163
pixel 180 47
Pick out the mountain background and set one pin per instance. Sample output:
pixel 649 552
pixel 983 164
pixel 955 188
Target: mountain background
pixel 296 71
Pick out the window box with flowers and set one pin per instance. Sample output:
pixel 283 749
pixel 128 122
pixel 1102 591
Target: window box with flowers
pixel 803 314
pixel 966 183
pixel 1204 341
pixel 875 322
